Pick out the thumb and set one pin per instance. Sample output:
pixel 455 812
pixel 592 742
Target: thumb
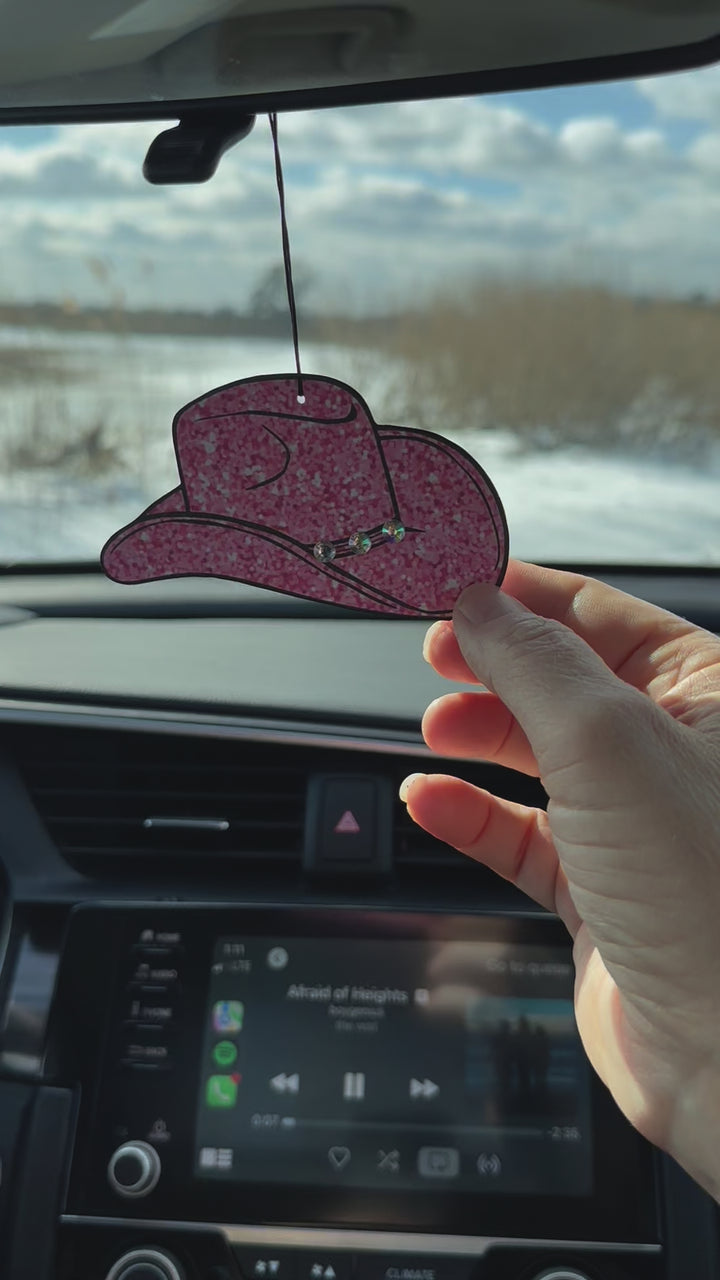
pixel 569 703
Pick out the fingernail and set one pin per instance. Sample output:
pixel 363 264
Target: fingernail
pixel 475 602
pixel 429 636
pixel 406 785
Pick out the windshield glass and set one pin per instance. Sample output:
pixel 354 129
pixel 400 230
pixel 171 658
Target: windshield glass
pixel 534 275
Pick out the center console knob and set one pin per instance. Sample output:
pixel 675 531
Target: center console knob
pixel 145 1264
pixel 134 1169
pixel 561 1273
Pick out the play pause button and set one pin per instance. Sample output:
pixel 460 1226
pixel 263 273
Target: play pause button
pixel 354 1086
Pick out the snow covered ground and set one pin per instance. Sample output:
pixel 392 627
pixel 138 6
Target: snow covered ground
pixel 563 504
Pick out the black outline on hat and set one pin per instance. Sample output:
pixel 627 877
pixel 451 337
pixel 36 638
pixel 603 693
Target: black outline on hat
pixel 291 545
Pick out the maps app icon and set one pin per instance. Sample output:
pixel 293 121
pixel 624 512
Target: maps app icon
pixel 228 1016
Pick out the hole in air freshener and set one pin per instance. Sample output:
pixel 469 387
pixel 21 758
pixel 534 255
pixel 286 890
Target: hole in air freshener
pixel 286 482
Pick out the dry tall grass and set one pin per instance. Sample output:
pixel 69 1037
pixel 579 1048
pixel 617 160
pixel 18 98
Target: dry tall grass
pixel 553 366
pixel 26 364
pixel 561 365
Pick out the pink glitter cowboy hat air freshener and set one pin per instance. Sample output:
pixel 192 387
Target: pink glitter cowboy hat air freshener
pixel 287 483
pixel 314 500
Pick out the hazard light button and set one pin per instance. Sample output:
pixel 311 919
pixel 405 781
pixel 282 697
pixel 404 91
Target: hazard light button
pixel 349 824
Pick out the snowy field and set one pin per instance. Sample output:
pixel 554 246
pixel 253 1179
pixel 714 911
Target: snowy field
pixel 562 504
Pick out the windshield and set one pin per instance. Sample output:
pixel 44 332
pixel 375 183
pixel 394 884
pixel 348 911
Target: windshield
pixel 534 275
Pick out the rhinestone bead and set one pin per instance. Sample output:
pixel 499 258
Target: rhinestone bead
pixel 393 531
pixel 360 543
pixel 324 552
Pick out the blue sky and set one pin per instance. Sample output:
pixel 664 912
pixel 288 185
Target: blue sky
pixel 615 183
pixel 622 100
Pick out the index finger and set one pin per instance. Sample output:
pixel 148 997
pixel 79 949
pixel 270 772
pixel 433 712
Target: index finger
pixel 629 635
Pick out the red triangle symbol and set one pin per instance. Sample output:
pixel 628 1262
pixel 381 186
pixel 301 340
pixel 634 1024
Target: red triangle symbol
pixel 348 825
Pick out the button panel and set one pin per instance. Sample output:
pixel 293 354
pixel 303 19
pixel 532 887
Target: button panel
pixel 148 1038
pixel 306 1264
pixel 152 1010
pixel 502 1262
pixel 208 1255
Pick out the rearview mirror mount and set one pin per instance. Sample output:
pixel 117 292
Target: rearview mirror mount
pixel 97 60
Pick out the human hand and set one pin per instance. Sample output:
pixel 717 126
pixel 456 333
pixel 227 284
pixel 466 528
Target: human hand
pixel 615 705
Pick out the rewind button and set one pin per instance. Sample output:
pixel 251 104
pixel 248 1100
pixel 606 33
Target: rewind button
pixel 284 1083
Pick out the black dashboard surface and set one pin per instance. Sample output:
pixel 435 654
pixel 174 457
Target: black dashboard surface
pixel 215 646
pixel 339 671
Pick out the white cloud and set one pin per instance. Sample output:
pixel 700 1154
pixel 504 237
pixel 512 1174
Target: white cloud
pixel 459 135
pixel 383 203
pixel 688 95
pixel 602 141
pixel 705 152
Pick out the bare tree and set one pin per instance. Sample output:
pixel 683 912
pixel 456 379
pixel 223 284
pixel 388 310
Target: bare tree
pixel 269 301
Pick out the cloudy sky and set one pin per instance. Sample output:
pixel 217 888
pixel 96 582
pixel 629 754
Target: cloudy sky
pixel 618 183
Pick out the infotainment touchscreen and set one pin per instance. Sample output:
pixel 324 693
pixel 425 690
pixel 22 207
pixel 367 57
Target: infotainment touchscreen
pixel 325 1068
pixel 393 1064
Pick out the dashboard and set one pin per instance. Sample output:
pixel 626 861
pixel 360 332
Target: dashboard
pixel 254 1025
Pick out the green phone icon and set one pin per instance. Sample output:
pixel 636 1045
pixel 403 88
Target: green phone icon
pixel 225 1053
pixel 221 1091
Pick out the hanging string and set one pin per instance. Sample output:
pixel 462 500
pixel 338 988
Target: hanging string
pixel 286 255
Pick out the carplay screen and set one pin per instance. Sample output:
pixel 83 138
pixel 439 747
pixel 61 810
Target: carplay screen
pixel 443 1065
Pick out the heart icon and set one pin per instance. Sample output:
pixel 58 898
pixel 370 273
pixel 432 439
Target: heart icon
pixel 339 1157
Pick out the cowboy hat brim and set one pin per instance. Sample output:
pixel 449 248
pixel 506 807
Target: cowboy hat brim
pixel 456 534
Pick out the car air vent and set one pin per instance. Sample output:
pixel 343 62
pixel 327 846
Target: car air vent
pixel 415 848
pixel 124 803
pixel 108 798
